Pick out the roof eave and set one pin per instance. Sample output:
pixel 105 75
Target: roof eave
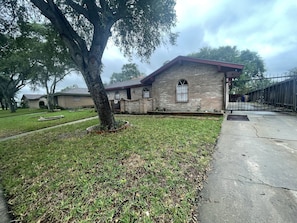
pixel 124 87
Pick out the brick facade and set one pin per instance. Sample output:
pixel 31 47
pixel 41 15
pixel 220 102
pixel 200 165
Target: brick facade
pixel 205 88
pixel 136 93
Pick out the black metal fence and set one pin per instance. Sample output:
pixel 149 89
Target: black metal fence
pixel 265 94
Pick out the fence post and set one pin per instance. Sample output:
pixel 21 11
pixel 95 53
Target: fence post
pixel 294 93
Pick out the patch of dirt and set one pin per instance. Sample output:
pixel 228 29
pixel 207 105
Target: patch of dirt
pixel 133 162
pixel 98 130
pixel 77 134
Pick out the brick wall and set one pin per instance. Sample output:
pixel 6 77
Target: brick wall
pixel 139 106
pixel 206 88
pixel 136 93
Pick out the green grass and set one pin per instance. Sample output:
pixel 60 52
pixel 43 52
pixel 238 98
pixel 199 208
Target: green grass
pixel 25 120
pixel 20 111
pixel 149 172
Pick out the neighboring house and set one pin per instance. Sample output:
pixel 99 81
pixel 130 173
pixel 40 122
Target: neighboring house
pixel 184 84
pixel 73 98
pixel 34 100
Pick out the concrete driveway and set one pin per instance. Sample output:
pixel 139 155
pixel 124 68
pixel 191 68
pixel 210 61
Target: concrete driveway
pixel 254 172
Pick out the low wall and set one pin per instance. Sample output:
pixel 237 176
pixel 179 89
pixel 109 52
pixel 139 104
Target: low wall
pixel 139 106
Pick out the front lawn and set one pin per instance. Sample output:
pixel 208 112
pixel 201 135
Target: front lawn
pixel 150 172
pixel 24 121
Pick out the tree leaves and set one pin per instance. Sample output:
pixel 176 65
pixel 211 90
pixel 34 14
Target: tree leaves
pixel 129 71
pixel 253 63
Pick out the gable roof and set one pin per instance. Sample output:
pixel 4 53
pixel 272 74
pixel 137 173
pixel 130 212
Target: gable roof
pixel 74 91
pixel 125 84
pixel 32 96
pixel 233 68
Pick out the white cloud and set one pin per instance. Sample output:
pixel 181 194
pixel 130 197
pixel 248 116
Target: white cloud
pixel 266 27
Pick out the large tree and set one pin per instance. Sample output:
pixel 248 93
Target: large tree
pixel 129 71
pixel 15 66
pixel 137 26
pixel 52 58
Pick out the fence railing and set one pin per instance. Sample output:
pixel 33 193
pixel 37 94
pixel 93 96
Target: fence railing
pixel 269 93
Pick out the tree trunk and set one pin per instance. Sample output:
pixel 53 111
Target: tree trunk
pixel 96 88
pixel 12 105
pixel 50 102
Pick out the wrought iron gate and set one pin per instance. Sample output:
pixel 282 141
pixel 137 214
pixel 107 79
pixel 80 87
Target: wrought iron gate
pixel 264 94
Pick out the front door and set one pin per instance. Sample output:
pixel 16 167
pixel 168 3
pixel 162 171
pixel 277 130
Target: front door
pixel 128 93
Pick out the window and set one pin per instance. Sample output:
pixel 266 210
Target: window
pixel 145 93
pixel 128 93
pixel 117 95
pixel 182 91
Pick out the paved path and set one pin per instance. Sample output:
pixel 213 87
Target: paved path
pixel 4 218
pixel 40 130
pixel 254 176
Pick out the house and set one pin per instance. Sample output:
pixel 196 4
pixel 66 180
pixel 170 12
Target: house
pixel 69 98
pixel 33 101
pixel 73 98
pixel 184 84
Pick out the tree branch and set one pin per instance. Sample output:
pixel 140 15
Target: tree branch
pixel 50 10
pixel 78 8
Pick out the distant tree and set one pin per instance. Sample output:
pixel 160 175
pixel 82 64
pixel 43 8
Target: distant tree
pixel 293 72
pixel 53 60
pixel 69 88
pixel 86 26
pixel 253 64
pixel 2 101
pixel 15 66
pixel 129 71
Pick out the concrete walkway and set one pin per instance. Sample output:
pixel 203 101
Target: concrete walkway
pixel 254 174
pixel 4 218
pixel 48 128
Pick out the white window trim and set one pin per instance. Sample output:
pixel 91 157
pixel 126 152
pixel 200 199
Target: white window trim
pixel 117 95
pixel 182 91
pixel 145 93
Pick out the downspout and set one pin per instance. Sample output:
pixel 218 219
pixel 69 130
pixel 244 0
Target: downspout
pixel 225 92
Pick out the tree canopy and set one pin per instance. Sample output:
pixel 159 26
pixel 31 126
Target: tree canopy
pixel 129 71
pixel 86 26
pixel 53 60
pixel 16 66
pixel 36 56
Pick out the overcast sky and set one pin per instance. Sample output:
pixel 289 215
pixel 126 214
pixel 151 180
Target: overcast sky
pixel 267 27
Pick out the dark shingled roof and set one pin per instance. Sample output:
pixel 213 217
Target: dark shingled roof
pixel 125 84
pixel 32 96
pixel 74 91
pixel 232 68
